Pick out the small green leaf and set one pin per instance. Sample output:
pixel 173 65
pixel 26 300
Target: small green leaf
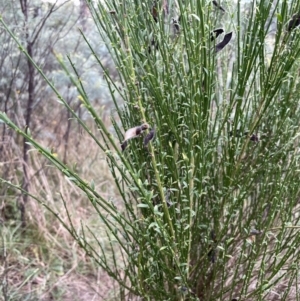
pixel 196 17
pixel 279 17
pixel 143 206
pixel 93 185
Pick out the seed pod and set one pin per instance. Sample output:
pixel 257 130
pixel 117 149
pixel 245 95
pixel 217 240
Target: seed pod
pixel 176 26
pixel 294 22
pixel 254 138
pixel 149 137
pixel 133 133
pixel 154 44
pixel 216 4
pixel 215 33
pixel 124 145
pixel 225 41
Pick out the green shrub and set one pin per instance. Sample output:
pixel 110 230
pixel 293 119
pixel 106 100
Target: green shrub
pixel 209 204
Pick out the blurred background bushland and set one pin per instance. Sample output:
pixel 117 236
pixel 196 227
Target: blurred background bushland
pixel 43 263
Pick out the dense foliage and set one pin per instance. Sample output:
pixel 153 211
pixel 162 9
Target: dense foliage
pixel 208 167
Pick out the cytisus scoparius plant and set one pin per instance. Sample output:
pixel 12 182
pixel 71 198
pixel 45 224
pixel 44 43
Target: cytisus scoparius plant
pixel 203 148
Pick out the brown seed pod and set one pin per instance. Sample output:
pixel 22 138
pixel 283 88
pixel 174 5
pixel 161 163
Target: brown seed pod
pixel 216 4
pixel 124 145
pixel 225 41
pixel 145 126
pixel 294 22
pixel 149 137
pixel 133 133
pixel 254 138
pixel 215 33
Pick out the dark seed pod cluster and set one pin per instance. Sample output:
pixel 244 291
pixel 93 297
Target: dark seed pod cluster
pixel 294 22
pixel 133 133
pixel 137 131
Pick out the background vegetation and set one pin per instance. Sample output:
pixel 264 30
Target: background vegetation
pixel 39 260
pixel 201 200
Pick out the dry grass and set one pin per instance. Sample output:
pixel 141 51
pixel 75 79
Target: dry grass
pixel 42 262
